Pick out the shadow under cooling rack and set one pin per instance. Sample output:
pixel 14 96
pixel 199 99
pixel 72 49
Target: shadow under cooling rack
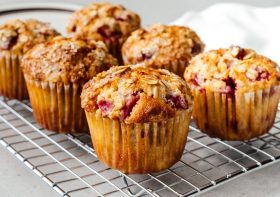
pixel 69 165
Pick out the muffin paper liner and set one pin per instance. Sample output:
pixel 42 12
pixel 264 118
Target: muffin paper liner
pixel 139 147
pixel 177 67
pixel 12 83
pixel 57 106
pixel 240 117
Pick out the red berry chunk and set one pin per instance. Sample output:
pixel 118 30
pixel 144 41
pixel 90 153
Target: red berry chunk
pixel 104 106
pixel 107 34
pixel 241 54
pixel 126 110
pixel 230 86
pixel 9 43
pixel 196 49
pixel 262 74
pixel 195 80
pixel 177 102
pixel 145 56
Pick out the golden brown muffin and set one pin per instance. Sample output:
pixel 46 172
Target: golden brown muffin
pixel 16 38
pixel 236 92
pixel 162 46
pixel 55 72
pixel 109 23
pixel 138 117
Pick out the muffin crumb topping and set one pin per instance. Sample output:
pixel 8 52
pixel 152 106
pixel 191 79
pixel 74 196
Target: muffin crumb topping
pixel 103 21
pixel 67 60
pixel 161 45
pixel 230 70
pixel 20 36
pixel 136 94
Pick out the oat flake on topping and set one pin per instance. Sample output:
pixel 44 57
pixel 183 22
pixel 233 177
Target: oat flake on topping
pixel 136 94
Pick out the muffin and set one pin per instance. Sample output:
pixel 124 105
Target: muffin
pixel 138 117
pixel 16 38
pixel 162 46
pixel 236 92
pixel 109 23
pixel 55 72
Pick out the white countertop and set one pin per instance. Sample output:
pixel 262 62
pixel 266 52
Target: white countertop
pixel 17 180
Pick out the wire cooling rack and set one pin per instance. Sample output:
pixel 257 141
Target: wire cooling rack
pixel 69 165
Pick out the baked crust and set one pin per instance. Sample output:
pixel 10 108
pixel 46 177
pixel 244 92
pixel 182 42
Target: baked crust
pixel 161 45
pixel 19 36
pixel 232 70
pixel 136 94
pixel 103 21
pixel 66 60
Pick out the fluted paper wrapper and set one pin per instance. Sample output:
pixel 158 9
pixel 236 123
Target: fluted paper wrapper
pixel 177 67
pixel 57 106
pixel 12 83
pixel 236 117
pixel 140 147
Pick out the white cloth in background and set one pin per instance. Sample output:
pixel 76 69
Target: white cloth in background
pixel 223 25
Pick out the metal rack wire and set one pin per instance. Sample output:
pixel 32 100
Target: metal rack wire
pixel 69 165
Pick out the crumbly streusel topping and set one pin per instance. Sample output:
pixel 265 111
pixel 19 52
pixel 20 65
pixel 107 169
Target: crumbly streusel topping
pixel 136 94
pixel 104 21
pixel 161 45
pixel 230 70
pixel 66 60
pixel 19 36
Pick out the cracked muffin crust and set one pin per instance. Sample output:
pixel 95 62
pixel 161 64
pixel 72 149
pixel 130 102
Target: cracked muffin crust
pixel 232 70
pixel 109 23
pixel 66 60
pixel 136 94
pixel 19 36
pixel 162 46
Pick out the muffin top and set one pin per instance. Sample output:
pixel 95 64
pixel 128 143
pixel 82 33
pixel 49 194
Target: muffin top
pixel 19 36
pixel 103 21
pixel 136 94
pixel 160 45
pixel 66 60
pixel 232 70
